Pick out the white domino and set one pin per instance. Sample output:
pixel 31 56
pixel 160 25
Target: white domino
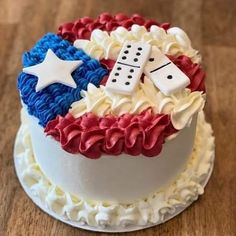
pixel 165 74
pixel 128 68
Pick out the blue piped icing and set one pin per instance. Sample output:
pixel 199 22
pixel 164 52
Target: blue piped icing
pixel 56 99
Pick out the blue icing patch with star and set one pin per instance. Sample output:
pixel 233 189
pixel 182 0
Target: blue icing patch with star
pixel 56 98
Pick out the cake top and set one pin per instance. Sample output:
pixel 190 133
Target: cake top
pixel 113 84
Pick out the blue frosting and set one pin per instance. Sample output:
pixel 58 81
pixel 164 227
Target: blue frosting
pixel 56 98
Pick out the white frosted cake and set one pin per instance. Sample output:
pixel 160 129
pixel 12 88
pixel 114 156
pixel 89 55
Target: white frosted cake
pixel 113 134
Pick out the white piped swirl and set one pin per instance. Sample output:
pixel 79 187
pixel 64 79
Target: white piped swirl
pixel 181 106
pixel 173 42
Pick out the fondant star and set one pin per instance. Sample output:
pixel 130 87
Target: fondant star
pixel 53 70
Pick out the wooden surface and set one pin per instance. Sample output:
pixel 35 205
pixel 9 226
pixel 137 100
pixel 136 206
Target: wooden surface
pixel 212 27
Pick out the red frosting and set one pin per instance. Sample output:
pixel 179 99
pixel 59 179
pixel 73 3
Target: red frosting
pixel 192 70
pixel 82 28
pixel 108 63
pixel 91 135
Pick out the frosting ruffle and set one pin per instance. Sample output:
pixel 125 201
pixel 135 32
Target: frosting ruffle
pixel 91 135
pixel 181 106
pixel 154 209
pixel 82 28
pixel 104 45
pixel 101 101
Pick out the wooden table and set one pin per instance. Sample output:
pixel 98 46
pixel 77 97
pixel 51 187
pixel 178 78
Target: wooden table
pixel 212 27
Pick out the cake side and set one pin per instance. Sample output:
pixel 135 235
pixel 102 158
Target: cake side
pixel 122 178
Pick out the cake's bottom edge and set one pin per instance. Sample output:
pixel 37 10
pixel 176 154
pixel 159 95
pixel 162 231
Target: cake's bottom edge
pixel 101 216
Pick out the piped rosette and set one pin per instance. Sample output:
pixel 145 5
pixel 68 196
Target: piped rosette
pixel 91 135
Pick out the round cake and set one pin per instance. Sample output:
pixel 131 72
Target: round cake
pixel 113 134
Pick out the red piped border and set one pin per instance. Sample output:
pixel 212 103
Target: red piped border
pixel 91 135
pixel 83 27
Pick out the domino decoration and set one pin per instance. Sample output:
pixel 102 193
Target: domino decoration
pixel 128 68
pixel 164 73
pixel 136 58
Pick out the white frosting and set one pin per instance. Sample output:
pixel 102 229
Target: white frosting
pixel 152 209
pixel 173 42
pixel 182 105
pixel 101 101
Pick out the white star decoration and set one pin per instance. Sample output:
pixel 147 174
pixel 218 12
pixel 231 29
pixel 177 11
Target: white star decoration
pixel 53 70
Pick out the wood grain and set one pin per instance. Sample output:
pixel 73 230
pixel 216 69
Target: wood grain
pixel 212 28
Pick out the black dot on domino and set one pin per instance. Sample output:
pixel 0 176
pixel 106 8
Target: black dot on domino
pixel 138 53
pixel 129 76
pixel 131 70
pixel 151 59
pixel 124 57
pixel 127 83
pixel 169 77
pixel 140 49
pixel 128 46
pixel 126 51
pixel 116 74
pixel 135 59
pixel 114 80
pixel 118 68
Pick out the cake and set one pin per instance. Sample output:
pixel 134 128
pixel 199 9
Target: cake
pixel 113 133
